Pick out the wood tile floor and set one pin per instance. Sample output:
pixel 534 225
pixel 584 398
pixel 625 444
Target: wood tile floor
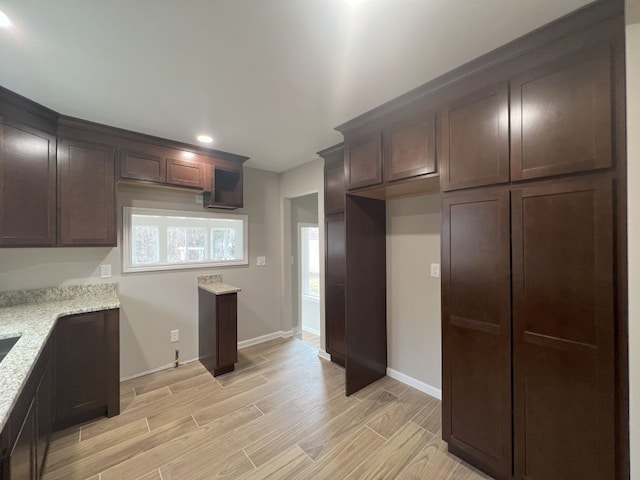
pixel 281 414
pixel 309 338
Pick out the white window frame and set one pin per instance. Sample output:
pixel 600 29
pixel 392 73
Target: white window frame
pixel 127 213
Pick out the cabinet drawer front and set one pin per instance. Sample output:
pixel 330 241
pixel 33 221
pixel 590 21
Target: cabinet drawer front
pixel 364 162
pixel 410 149
pixel 188 174
pixel 142 166
pixel 474 140
pixel 561 117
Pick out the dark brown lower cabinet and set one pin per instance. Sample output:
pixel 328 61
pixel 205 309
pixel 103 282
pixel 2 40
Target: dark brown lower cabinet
pixel 217 331
pixel 87 367
pixel 563 317
pixel 547 321
pixel 476 329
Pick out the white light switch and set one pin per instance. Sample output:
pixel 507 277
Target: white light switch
pixel 435 270
pixel 262 261
pixel 105 271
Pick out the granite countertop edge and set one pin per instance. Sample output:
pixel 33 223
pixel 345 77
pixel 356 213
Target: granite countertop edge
pixel 218 288
pixel 35 322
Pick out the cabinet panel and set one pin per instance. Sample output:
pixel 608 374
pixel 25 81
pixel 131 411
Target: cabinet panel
pixel 363 162
pixel 226 321
pixel 334 190
pixel 182 172
pixel 561 117
pixel 564 330
pixel 410 149
pixel 138 165
pixel 224 188
pixel 335 233
pixel 476 326
pixel 44 403
pixel 23 458
pixel 27 186
pixel 81 358
pixel 474 140
pixel 86 193
pixel 335 326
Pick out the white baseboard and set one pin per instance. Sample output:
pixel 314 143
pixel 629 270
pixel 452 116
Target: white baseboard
pixel 264 338
pixel 155 370
pixel 323 354
pixel 417 384
pixel 311 330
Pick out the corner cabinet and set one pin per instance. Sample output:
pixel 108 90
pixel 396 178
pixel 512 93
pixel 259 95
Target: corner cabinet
pixel 86 193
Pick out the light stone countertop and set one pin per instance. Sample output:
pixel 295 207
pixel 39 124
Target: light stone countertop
pixel 213 284
pixel 34 321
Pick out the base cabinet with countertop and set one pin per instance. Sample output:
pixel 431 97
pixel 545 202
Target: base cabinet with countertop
pixel 218 327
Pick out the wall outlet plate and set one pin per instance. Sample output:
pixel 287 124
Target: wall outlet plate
pixel 175 336
pixel 105 271
pixel 435 270
pixel 261 261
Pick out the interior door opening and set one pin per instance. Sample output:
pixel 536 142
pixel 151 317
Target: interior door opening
pixel 309 283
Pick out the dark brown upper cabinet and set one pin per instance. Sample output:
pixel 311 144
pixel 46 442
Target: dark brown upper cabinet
pixel 476 328
pixel 185 173
pixel 561 117
pixel 410 149
pixel 224 186
pixel 474 139
pixel 86 193
pixel 136 164
pixel 564 329
pixel 27 186
pixel 363 161
pixel 334 190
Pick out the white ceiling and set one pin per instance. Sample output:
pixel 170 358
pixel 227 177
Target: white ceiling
pixel 269 79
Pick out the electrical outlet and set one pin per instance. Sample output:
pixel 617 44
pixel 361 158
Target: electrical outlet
pixel 435 270
pixel 175 336
pixel 261 261
pixel 105 271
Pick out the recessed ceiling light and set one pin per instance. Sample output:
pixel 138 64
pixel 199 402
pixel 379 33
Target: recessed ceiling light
pixel 4 20
pixel 204 138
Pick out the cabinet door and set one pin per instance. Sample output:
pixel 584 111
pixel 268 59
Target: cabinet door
pixel 138 165
pixel 564 330
pixel 22 464
pixel 474 140
pixel 335 238
pixel 363 162
pixel 227 329
pixel 410 149
pixel 476 329
pixel 80 364
pixel 334 189
pixel 334 286
pixel 561 117
pixel 86 175
pixel 27 186
pixel 185 173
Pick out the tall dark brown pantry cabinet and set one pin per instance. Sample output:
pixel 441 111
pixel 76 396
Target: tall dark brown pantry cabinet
pixel 531 292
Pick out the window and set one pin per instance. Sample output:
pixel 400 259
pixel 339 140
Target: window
pixel 310 263
pixel 166 239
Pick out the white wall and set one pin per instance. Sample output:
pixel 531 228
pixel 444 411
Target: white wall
pixel 153 303
pixel 633 171
pixel 413 296
pixel 299 181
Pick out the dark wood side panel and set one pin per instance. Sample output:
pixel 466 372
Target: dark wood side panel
pixel 22 465
pixel 80 368
pixel 410 148
pixel 86 184
pixel 363 161
pixel 365 290
pixel 334 286
pixel 564 330
pixel 335 232
pixel 561 117
pixel 227 314
pixel 476 329
pixel 27 186
pixel 207 329
pixel 185 173
pixel 474 139
pixel 334 190
pixel 112 347
pixel 140 165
